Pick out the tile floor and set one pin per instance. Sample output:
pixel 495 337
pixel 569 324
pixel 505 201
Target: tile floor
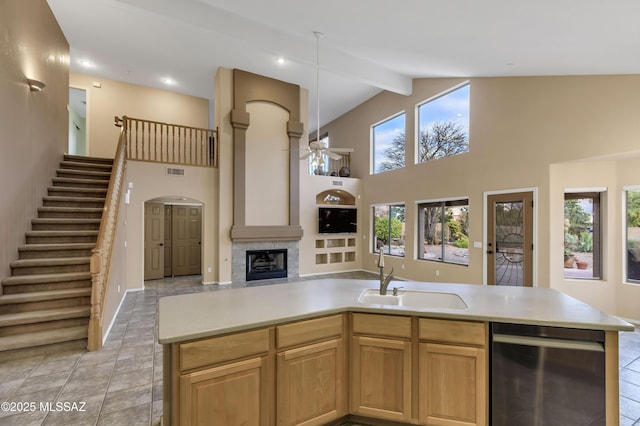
pixel 122 383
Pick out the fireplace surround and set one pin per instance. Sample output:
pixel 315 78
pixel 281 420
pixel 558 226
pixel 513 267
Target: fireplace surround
pixel 240 256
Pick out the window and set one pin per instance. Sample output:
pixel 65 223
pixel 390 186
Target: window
pixel 388 229
pixel 444 231
pixel 443 125
pixel 582 234
pixel 387 144
pixel 632 198
pixel 319 160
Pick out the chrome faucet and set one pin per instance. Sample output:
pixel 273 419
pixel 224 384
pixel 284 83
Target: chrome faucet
pixel 384 281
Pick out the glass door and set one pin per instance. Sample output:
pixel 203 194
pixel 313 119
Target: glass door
pixel 510 239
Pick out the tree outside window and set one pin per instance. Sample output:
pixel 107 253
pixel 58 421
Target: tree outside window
pixel 582 235
pixel 389 229
pixel 444 231
pixel 633 234
pixel 386 140
pixel 444 126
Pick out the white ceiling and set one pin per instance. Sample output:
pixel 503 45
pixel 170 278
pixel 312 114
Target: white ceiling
pixel 368 45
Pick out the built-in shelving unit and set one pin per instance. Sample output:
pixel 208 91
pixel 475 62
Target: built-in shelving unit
pixel 335 248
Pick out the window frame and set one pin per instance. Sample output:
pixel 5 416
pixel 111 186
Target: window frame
pixel 418 131
pixel 442 204
pixel 626 259
pixel 598 197
pixel 372 144
pixel 374 237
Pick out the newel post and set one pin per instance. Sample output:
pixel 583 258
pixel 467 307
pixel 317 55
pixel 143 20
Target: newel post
pixel 94 337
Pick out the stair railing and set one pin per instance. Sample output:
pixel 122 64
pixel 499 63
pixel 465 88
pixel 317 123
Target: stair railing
pixel 170 143
pixel 101 254
pixel 140 140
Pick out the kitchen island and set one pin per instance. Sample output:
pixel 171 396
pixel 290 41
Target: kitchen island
pixel 309 353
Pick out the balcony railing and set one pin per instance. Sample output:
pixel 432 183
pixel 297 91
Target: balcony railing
pixel 169 143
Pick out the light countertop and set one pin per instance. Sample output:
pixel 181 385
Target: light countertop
pixel 198 315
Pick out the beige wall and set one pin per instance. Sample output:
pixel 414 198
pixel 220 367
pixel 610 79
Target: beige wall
pixel 150 181
pixel 519 127
pixel 115 98
pixel 267 165
pixel 33 125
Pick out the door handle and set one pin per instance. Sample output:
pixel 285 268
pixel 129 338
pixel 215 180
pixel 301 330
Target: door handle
pixel 161 244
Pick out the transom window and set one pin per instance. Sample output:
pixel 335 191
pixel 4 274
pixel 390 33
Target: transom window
pixel 387 144
pixel 444 231
pixel 389 229
pixel 443 125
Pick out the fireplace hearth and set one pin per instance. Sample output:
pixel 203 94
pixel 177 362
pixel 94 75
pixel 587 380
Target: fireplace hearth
pixel 266 264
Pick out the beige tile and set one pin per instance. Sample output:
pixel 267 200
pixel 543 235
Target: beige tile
pixel 127 398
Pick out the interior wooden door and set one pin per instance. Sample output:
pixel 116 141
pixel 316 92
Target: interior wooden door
pixel 186 228
pixel 153 241
pixel 167 240
pixel 510 239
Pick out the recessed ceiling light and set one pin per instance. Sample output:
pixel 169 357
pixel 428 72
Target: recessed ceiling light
pixel 86 63
pixel 168 81
pixel 280 60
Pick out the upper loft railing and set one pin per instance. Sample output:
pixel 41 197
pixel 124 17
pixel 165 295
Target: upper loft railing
pixel 330 167
pixel 158 142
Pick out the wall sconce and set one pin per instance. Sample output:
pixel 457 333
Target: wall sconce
pixel 35 85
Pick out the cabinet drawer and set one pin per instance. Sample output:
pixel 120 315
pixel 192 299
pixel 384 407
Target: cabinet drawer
pixel 225 348
pixel 308 331
pixel 382 325
pixel 465 332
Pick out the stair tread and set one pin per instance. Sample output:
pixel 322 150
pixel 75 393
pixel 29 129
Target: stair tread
pixel 65 220
pixel 83 164
pixel 65 198
pixel 58 246
pixel 50 261
pixel 83 172
pixel 37 296
pixel 42 338
pixel 88 159
pixel 42 315
pixel 46 278
pixel 69 209
pixel 75 189
pixel 83 232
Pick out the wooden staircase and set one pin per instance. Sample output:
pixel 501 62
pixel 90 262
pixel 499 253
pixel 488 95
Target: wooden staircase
pixel 46 300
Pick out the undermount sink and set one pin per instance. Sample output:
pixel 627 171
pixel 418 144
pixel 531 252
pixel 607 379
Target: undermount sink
pixel 413 298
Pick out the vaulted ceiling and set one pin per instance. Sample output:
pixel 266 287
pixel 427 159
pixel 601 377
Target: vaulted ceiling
pixel 368 45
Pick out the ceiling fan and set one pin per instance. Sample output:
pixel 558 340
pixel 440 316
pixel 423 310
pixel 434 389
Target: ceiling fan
pixel 318 149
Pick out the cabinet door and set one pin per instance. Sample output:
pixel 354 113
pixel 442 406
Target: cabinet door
pixel 381 378
pixel 229 395
pixel 453 385
pixel 311 383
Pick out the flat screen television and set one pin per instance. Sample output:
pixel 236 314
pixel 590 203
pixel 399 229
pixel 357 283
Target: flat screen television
pixel 337 220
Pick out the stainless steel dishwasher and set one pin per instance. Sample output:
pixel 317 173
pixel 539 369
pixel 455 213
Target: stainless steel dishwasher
pixel 546 376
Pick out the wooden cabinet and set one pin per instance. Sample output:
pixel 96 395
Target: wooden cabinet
pixel 453 373
pixel 221 380
pixel 405 369
pixel 310 384
pixel 381 367
pixel 311 381
pixel 232 394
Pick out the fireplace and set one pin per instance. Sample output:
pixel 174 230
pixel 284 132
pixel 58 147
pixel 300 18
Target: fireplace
pixel 265 264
